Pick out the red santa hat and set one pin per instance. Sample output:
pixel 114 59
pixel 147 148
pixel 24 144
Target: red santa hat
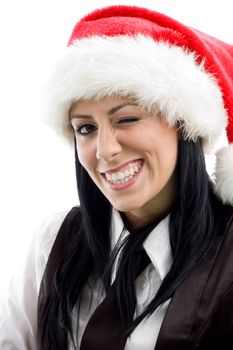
pixel 164 65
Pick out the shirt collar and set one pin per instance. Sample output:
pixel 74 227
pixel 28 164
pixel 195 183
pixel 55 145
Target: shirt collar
pixel 117 227
pixel 158 248
pixel 157 244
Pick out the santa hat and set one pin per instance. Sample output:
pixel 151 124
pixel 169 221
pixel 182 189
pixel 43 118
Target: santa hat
pixel 164 65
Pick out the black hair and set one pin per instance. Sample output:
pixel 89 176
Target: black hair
pixel 195 221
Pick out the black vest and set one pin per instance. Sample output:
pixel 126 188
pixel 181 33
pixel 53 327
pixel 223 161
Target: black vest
pixel 200 315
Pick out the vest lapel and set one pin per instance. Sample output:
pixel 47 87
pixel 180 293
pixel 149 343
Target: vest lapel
pixel 68 227
pixel 178 326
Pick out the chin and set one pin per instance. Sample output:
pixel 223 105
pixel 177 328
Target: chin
pixel 126 207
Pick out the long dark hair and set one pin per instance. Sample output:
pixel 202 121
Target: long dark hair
pixel 195 219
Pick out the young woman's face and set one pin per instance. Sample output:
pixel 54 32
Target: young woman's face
pixel 129 154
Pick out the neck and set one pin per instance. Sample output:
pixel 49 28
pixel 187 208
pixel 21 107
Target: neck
pixel 157 207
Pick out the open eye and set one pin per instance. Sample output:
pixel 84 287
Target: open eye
pixel 85 129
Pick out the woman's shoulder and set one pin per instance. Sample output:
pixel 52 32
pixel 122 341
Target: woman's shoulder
pixel 217 298
pixel 226 230
pixel 18 306
pixel 45 236
pixel 226 239
pixel 219 261
pixel 48 230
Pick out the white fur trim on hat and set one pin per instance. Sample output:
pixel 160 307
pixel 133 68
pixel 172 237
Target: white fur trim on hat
pixel 224 174
pixel 160 76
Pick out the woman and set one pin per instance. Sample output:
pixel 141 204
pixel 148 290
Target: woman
pixel 146 261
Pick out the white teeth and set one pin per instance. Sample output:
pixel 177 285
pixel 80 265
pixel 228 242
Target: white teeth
pixel 114 177
pixel 123 176
pixel 131 171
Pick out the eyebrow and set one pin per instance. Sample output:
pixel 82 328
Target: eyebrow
pixel 109 113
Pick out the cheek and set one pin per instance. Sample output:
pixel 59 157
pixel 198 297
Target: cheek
pixel 137 139
pixel 169 154
pixel 84 156
pixel 163 143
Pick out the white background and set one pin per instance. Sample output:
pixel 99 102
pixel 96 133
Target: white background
pixel 36 168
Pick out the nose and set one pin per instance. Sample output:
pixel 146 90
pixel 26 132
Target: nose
pixel 107 144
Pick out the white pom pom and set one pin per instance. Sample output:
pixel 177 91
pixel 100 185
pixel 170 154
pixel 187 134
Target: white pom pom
pixel 224 174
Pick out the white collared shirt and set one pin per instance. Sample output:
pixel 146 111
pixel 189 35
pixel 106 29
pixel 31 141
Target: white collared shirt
pixel 18 309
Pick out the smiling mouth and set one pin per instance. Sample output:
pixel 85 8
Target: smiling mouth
pixel 124 176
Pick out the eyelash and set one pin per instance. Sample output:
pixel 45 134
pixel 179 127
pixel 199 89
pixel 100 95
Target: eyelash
pixel 78 129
